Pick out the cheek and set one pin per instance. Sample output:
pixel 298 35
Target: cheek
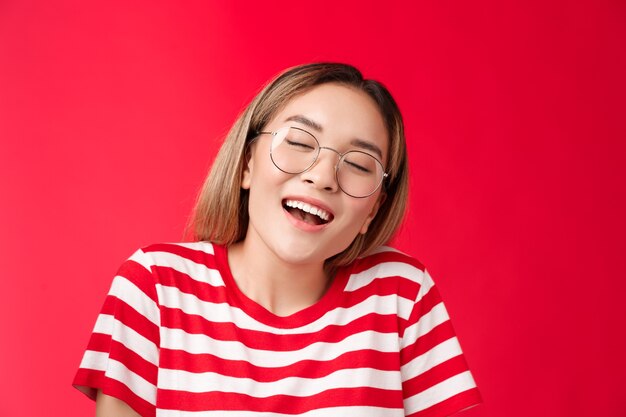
pixel 360 212
pixel 263 179
pixel 364 213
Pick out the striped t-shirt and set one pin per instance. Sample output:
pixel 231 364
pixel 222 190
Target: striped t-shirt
pixel 176 337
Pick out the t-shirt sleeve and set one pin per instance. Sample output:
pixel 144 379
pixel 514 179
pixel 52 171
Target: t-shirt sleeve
pixel 122 356
pixel 436 380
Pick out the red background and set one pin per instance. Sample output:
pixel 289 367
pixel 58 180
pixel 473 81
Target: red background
pixel 110 114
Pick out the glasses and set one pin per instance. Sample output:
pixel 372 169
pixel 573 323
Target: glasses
pixel 295 151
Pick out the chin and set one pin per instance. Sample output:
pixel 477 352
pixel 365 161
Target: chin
pixel 301 253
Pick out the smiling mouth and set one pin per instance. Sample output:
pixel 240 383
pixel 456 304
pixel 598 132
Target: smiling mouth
pixel 307 212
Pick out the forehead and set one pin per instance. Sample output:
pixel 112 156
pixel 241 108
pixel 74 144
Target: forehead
pixel 339 116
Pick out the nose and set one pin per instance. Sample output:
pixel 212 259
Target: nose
pixel 322 173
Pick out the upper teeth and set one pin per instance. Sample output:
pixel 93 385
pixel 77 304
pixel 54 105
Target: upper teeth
pixel 316 211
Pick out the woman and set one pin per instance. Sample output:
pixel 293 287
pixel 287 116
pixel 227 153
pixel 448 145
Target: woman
pixel 286 303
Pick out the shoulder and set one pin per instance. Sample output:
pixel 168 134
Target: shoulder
pixel 159 253
pixel 181 256
pixel 180 247
pixel 386 261
pixel 386 267
pixel 172 263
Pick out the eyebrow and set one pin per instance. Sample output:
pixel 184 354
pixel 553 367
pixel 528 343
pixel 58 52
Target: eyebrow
pixel 360 143
pixel 367 146
pixel 305 121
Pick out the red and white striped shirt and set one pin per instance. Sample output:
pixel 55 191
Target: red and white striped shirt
pixel 176 337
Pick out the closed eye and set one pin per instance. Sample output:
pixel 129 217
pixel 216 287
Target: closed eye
pixel 358 167
pixel 299 145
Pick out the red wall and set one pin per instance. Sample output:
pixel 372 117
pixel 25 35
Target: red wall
pixel 110 113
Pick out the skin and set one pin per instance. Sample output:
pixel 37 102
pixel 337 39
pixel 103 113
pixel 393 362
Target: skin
pixel 275 251
pixel 279 264
pixel 107 406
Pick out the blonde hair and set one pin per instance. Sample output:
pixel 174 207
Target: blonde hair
pixel 221 211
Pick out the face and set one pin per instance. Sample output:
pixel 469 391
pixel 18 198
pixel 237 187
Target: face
pixel 282 207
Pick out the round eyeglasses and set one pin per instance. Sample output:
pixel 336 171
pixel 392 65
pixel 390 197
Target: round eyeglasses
pixel 295 151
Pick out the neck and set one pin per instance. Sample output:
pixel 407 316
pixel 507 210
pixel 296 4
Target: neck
pixel 280 287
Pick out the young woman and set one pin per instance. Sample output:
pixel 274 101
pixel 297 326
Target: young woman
pixel 286 303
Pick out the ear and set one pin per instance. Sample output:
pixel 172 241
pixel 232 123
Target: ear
pixel 246 175
pixel 379 202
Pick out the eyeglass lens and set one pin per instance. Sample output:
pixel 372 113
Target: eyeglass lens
pixel 293 151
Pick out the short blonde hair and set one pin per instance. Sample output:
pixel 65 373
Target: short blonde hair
pixel 221 211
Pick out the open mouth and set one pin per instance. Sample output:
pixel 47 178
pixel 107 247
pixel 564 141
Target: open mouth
pixel 307 212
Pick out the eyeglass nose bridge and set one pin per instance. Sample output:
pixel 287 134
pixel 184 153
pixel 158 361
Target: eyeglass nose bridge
pixel 317 156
